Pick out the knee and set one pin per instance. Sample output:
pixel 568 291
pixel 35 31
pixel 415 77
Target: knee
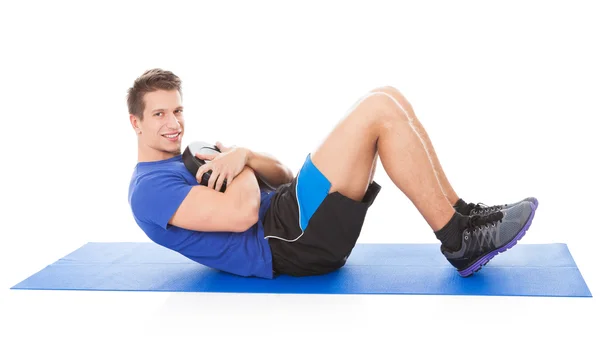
pixel 378 104
pixel 388 89
pixel 384 105
pixel 397 96
pixel 389 103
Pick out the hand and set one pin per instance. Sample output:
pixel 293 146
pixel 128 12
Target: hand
pixel 223 148
pixel 225 165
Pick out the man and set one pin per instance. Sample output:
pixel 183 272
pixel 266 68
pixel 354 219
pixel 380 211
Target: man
pixel 308 223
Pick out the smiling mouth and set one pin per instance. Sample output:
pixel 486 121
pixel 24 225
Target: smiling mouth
pixel 172 137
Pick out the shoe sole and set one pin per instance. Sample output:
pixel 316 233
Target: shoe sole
pixel 485 259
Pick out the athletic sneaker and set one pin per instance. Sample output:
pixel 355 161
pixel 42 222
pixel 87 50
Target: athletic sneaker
pixel 482 209
pixel 488 235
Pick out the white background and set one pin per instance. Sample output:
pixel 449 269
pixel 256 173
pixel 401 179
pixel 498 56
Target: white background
pixel 508 92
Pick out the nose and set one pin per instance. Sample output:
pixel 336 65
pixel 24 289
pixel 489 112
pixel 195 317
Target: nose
pixel 172 121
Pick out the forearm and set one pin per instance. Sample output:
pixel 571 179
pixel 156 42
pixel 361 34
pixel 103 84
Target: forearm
pixel 245 193
pixel 269 169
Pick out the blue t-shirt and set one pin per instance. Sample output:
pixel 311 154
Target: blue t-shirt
pixel 155 192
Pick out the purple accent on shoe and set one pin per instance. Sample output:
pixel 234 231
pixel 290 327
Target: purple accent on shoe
pixel 485 259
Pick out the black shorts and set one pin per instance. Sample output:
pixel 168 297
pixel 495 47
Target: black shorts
pixel 311 231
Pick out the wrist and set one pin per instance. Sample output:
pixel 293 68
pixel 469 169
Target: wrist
pixel 248 156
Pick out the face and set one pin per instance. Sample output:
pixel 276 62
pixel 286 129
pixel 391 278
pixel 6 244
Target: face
pixel 161 130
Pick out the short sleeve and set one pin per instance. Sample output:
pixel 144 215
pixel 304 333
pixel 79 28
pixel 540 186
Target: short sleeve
pixel 158 195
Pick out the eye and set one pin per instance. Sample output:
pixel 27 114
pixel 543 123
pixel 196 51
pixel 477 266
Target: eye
pixel 158 113
pixel 179 111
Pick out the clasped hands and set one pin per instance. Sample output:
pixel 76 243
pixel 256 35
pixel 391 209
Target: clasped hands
pixel 225 166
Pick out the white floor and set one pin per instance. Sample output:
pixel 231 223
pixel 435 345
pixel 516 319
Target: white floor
pixel 73 318
pixel 508 94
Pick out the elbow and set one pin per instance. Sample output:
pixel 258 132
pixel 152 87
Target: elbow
pixel 290 175
pixel 253 215
pixel 249 219
pixel 286 175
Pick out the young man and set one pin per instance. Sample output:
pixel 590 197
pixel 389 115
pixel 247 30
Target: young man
pixel 310 222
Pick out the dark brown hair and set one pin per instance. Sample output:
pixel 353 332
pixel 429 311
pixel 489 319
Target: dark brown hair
pixel 151 80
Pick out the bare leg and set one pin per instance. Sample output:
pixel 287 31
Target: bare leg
pixel 373 167
pixel 448 190
pixel 380 124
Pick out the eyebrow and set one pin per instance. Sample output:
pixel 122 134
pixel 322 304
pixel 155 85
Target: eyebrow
pixel 162 109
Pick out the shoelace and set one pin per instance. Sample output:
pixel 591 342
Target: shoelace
pixel 480 209
pixel 478 223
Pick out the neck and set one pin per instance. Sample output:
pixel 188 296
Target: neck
pixel 148 154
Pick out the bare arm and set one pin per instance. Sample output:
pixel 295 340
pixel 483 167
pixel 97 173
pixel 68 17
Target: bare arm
pixel 272 171
pixel 236 210
pixel 245 193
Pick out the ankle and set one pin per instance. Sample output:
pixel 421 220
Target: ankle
pixel 463 207
pixel 451 234
pixel 453 199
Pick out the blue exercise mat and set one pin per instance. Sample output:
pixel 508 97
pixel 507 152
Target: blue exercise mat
pixel 525 270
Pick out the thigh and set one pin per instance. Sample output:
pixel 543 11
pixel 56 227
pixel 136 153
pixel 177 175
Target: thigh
pixel 349 152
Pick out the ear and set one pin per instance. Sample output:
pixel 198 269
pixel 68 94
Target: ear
pixel 135 123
